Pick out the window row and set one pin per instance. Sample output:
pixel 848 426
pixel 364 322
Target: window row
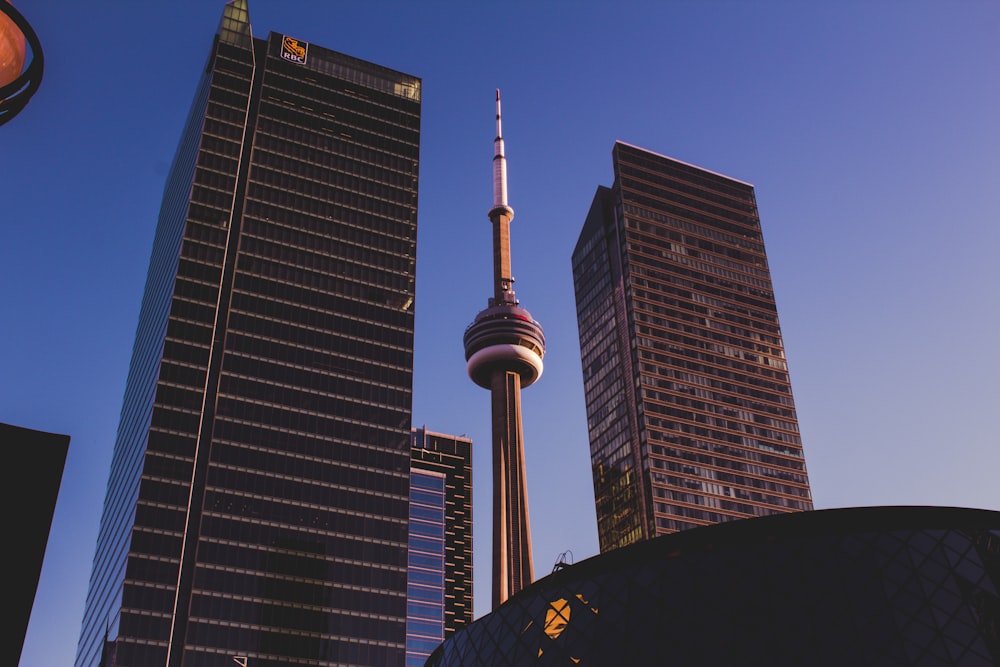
pixel 244 482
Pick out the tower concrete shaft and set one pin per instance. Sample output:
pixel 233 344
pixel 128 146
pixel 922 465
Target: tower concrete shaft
pixel 503 282
pixel 512 567
pixel 504 347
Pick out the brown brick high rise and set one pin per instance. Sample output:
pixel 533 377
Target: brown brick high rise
pixel 689 405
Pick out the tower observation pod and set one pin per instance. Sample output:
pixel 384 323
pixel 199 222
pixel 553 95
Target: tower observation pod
pixel 504 347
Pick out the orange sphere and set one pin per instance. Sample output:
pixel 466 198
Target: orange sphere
pixel 11 50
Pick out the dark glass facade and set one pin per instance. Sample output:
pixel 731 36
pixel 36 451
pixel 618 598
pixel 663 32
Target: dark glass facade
pixel 885 587
pixel 425 567
pixel 439 595
pixel 689 405
pixel 258 498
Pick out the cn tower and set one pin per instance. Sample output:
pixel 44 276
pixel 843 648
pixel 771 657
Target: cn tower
pixel 504 347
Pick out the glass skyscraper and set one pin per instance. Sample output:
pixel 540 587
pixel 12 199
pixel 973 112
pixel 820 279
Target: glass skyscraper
pixel 258 500
pixel 689 405
pixel 439 589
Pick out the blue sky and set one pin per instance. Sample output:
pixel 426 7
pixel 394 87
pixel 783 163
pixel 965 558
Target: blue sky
pixel 868 128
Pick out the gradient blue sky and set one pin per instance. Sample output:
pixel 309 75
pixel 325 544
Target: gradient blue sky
pixel 871 130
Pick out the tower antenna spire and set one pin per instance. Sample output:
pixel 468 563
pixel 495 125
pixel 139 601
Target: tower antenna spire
pixel 501 215
pixel 500 167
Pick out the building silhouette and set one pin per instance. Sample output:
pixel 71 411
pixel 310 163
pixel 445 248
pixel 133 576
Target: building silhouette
pixel 504 347
pixel 35 461
pixel 689 407
pixel 257 505
pixel 439 588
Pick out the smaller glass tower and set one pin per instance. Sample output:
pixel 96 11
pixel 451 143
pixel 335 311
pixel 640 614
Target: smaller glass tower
pixel 439 566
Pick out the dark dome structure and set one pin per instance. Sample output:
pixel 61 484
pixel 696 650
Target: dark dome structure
pixel 863 586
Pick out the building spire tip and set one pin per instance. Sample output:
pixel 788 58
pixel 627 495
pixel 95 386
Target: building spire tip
pixel 499 166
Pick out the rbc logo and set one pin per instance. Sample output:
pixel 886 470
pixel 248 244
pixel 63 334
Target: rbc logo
pixel 293 50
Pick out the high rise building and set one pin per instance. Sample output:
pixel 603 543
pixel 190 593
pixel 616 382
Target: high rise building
pixel 439 589
pixel 689 405
pixel 258 499
pixel 504 347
